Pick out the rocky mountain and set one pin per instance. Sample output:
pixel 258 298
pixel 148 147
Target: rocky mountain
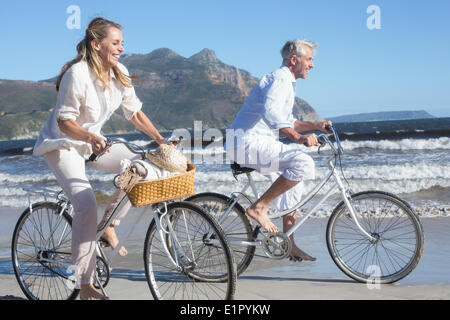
pixel 174 90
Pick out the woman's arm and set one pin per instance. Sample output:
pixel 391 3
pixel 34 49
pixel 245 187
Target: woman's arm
pixel 143 123
pixel 77 132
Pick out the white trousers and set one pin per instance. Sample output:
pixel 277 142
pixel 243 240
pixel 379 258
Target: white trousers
pixel 273 158
pixel 69 168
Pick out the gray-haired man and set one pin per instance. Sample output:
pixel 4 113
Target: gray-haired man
pixel 266 113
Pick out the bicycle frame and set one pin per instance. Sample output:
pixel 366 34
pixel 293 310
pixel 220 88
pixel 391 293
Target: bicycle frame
pixel 337 185
pixel 171 232
pixel 157 215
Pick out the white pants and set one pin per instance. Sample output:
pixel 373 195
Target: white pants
pixel 69 168
pixel 273 158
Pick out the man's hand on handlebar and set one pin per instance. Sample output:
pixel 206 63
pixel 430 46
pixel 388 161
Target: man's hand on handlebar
pixel 325 126
pixel 308 140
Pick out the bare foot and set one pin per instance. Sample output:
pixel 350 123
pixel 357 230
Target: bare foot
pixel 259 213
pixel 88 292
pixel 297 252
pixel 110 236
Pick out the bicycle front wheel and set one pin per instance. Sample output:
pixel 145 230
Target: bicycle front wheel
pixel 41 253
pixel 398 238
pixel 191 259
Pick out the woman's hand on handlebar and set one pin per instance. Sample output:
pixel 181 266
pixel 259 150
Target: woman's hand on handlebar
pixel 98 144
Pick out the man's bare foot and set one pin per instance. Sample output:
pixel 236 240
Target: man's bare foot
pixel 296 252
pixel 110 236
pixel 88 292
pixel 259 213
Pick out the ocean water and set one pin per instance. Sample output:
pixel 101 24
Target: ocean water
pixel 409 158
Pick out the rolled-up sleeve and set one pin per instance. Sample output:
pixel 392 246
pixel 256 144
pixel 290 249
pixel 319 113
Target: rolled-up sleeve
pixel 70 97
pixel 276 112
pixel 130 102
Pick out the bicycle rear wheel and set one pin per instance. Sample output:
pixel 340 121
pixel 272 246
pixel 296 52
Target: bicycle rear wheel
pixel 237 226
pixel 203 269
pixel 398 232
pixel 41 253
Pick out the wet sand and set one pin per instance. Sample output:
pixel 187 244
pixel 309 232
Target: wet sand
pixel 268 279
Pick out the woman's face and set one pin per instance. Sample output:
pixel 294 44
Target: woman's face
pixel 110 48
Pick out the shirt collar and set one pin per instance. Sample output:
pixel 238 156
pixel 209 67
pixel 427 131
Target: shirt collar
pixel 112 74
pixel 97 81
pixel 291 76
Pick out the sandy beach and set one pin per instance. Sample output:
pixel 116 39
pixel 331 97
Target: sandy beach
pixel 272 279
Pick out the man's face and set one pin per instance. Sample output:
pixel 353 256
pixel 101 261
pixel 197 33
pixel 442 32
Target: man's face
pixel 301 66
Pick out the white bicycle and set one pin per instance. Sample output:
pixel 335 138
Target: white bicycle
pixel 180 261
pixel 365 230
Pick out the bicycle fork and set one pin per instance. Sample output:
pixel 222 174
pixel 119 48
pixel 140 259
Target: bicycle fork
pixel 347 200
pixel 173 256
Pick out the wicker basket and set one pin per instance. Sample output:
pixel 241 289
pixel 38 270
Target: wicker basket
pixel 154 191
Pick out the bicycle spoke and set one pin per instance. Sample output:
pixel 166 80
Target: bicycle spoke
pixel 42 252
pixel 202 270
pixel 395 231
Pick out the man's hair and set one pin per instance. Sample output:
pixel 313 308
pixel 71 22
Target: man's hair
pixel 297 48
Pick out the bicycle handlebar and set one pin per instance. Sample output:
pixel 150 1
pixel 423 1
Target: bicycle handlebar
pixel 110 142
pixel 131 146
pixel 324 139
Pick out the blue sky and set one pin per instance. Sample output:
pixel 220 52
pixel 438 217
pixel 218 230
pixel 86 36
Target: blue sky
pixel 405 65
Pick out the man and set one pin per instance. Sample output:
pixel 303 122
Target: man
pixel 266 113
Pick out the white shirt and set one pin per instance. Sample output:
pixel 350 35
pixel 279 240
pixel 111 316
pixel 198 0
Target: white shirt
pixel 268 107
pixel 81 98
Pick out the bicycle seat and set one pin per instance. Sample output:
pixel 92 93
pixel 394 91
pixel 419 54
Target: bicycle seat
pixel 237 169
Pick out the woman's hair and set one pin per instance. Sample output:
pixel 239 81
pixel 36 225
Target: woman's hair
pixel 296 47
pixel 97 29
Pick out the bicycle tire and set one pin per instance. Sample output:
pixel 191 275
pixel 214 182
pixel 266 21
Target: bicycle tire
pixel 392 256
pixel 34 239
pixel 207 272
pixel 239 224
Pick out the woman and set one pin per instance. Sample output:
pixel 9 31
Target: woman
pixel 90 88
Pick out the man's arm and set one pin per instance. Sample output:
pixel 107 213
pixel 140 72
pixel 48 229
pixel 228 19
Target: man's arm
pixel 308 140
pixel 303 126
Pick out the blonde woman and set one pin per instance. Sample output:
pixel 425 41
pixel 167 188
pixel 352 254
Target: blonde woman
pixel 90 88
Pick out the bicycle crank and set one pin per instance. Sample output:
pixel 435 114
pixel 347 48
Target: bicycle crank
pixel 276 245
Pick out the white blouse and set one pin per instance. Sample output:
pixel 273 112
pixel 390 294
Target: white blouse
pixel 82 98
